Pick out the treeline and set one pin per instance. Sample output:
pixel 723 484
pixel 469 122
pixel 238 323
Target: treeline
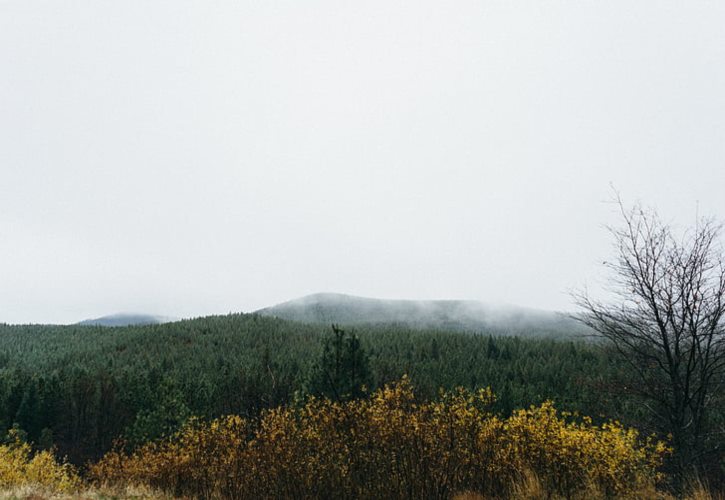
pixel 79 388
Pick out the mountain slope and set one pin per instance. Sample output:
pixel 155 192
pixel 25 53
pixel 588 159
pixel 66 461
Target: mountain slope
pixel 460 315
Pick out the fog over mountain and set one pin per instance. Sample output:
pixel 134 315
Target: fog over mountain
pixel 126 319
pixel 460 315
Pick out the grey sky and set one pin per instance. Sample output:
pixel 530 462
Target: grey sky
pixel 189 158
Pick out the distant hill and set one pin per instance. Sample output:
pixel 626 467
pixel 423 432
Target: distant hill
pixel 459 315
pixel 125 319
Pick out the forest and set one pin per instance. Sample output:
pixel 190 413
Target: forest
pixel 79 388
pixel 90 393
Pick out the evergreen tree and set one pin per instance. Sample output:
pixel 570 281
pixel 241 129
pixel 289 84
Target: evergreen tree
pixel 343 369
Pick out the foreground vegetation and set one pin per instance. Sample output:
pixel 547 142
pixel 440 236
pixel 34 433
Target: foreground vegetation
pixel 79 388
pixel 20 467
pixel 390 445
pixel 304 401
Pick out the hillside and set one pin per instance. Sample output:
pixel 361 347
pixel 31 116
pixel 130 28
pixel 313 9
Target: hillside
pixel 142 381
pixel 458 315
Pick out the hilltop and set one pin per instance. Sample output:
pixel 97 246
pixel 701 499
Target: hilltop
pixel 458 315
pixel 125 319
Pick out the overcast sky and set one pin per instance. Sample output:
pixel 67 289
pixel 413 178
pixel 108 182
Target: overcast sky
pixel 190 158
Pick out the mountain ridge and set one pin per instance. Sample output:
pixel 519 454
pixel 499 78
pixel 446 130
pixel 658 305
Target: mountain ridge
pixel 459 315
pixel 125 319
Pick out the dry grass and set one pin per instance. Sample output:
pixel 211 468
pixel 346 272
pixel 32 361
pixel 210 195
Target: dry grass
pixel 698 491
pixel 529 487
pixel 31 492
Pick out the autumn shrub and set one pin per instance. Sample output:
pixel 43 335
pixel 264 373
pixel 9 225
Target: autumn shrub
pixel 20 467
pixel 568 454
pixel 390 445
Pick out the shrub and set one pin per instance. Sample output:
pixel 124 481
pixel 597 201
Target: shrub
pixel 20 467
pixel 390 446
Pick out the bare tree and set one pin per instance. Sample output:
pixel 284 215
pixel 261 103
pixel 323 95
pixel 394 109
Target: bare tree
pixel 666 320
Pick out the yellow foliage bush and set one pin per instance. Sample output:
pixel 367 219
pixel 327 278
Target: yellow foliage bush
pixel 20 467
pixel 389 446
